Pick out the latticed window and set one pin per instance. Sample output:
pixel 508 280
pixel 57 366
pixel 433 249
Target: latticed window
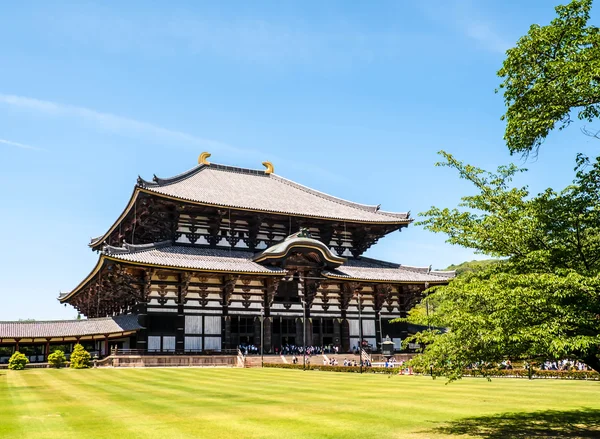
pixel 327 326
pixel 316 326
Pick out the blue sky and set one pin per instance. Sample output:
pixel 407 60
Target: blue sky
pixel 351 98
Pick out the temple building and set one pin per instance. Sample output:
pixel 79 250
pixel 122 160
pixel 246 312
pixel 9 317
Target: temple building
pixel 195 261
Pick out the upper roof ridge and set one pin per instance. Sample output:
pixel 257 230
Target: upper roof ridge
pixel 367 207
pixel 133 248
pixel 159 182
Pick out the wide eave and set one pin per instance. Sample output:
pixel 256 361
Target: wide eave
pixel 167 256
pixel 251 190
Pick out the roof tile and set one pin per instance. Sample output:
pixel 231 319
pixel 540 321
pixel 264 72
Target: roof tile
pixel 195 258
pixel 249 189
pixel 371 269
pixel 69 328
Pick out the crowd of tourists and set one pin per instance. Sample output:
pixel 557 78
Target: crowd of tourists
pixel 563 365
pixel 249 349
pixel 291 349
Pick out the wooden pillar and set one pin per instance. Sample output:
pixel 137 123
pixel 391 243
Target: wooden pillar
pixel 337 334
pixel 299 331
pixel 320 342
pixel 257 331
pixel 226 333
pixel 268 337
pixel 184 283
pixel 228 287
pixel 346 293
pixel 17 345
pixel 345 330
pixel 106 346
pixel 141 339
pixel 378 338
pixel 271 286
pixel 180 330
pixel 47 350
pixel 309 331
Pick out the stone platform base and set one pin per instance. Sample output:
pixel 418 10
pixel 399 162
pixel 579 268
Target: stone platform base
pixel 170 361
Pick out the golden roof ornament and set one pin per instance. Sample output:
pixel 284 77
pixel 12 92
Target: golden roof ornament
pixel 269 167
pixel 203 158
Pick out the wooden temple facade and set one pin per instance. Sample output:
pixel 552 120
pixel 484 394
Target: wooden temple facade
pixel 200 257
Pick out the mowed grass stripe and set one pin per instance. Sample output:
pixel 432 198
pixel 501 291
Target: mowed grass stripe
pixel 89 407
pixel 174 413
pixel 218 396
pixel 26 413
pixel 255 403
pixel 229 398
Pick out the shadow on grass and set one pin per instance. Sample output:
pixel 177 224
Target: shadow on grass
pixel 584 423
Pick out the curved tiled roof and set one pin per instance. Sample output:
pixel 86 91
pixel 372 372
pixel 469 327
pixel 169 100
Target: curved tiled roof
pixel 168 255
pixel 367 269
pixel 69 328
pixel 295 241
pixel 188 257
pixel 198 258
pixel 250 189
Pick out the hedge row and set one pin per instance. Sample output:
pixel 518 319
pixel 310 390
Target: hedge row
pixel 536 373
pixel 353 369
pixel 493 373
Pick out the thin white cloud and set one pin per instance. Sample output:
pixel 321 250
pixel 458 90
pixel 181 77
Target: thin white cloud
pixel 20 145
pixel 137 129
pixel 114 123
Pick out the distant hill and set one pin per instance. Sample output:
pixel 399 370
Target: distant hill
pixel 465 267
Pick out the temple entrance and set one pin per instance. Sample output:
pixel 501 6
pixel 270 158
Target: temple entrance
pixel 323 331
pixel 284 332
pixel 243 331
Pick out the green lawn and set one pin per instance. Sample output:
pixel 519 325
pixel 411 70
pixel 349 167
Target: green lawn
pixel 275 403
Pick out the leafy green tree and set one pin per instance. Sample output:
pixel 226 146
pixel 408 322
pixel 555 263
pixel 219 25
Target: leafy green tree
pixel 469 266
pixel 542 299
pixel 80 358
pixel 552 73
pixel 57 359
pixel 17 361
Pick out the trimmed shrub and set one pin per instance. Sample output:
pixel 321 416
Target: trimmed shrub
pixel 17 361
pixel 351 369
pixel 535 373
pixel 487 373
pixel 80 358
pixel 57 359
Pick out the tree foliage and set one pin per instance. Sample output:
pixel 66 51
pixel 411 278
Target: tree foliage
pixel 17 361
pixel 469 266
pixel 57 359
pixel 553 71
pixel 542 299
pixel 80 358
